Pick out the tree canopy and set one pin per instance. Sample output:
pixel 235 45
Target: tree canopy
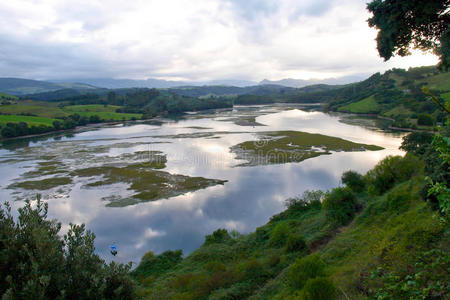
pixel 420 24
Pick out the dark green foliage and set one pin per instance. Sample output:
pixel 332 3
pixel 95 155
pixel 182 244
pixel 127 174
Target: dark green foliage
pixel 305 268
pixel 420 144
pixel 392 170
pixel 279 235
pixel 295 242
pixel 156 265
pixel 218 236
pixel 425 119
pixel 309 199
pixel 354 181
pixel 319 288
pixel 36 263
pixel 417 143
pixel 422 24
pixel 340 205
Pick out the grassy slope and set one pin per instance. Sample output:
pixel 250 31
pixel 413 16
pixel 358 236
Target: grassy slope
pixel 365 106
pixel 6 96
pixel 30 120
pixel 388 232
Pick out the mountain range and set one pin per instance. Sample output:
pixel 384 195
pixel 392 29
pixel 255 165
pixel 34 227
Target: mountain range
pixel 20 86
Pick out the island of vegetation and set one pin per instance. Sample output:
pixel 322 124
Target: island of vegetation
pixel 292 146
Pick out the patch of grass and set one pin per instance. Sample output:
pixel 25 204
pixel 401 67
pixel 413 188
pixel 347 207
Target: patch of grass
pixel 446 96
pixel 365 106
pixel 105 112
pixel 44 184
pixel 439 82
pixel 4 119
pixel 293 146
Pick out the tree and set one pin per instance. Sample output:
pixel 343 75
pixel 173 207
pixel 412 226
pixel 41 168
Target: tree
pixel 402 24
pixel 37 263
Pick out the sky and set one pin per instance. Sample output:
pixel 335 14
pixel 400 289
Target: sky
pixel 194 40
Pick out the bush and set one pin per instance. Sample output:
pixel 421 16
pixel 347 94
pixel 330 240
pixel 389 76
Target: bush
pixel 392 170
pixel 218 236
pixel 340 205
pixel 309 199
pixel 425 119
pixel 154 266
pixel 319 288
pixel 37 263
pixel 295 242
pixel 354 181
pixel 279 235
pixel 308 267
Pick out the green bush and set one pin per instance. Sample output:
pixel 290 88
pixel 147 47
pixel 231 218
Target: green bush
pixel 37 263
pixel 295 242
pixel 218 236
pixel 309 199
pixel 305 268
pixel 340 205
pixel 354 181
pixel 392 170
pixel 157 265
pixel 425 119
pixel 279 235
pixel 319 288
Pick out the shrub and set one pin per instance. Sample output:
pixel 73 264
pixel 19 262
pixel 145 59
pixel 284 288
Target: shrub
pixel 308 267
pixel 340 205
pixel 392 170
pixel 425 119
pixel 354 181
pixel 320 288
pixel 309 199
pixel 295 242
pixel 218 236
pixel 279 235
pixel 155 266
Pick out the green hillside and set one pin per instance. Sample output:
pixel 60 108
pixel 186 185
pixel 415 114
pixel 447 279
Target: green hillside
pixel 396 94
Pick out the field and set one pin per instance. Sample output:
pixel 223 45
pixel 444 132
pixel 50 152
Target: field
pixel 36 112
pixel 30 120
pixel 367 105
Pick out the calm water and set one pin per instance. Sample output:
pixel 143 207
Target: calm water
pixel 197 145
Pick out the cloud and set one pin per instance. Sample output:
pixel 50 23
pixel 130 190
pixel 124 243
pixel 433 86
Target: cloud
pixel 195 40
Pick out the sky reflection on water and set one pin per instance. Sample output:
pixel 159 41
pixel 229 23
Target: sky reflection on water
pixel 249 198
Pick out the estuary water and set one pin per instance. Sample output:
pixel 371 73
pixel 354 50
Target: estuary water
pixel 195 145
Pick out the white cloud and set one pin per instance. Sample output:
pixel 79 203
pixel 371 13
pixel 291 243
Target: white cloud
pixel 193 40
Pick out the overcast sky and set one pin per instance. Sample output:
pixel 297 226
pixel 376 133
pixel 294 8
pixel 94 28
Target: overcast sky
pixel 190 39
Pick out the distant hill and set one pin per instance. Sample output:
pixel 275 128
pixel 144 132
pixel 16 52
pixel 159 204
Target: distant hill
pixel 298 83
pixel 19 86
pixel 111 83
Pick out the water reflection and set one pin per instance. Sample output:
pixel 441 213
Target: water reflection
pixel 249 198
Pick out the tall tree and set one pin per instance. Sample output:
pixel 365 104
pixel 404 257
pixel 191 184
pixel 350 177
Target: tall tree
pixel 406 24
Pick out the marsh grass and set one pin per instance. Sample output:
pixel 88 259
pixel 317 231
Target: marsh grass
pixel 293 146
